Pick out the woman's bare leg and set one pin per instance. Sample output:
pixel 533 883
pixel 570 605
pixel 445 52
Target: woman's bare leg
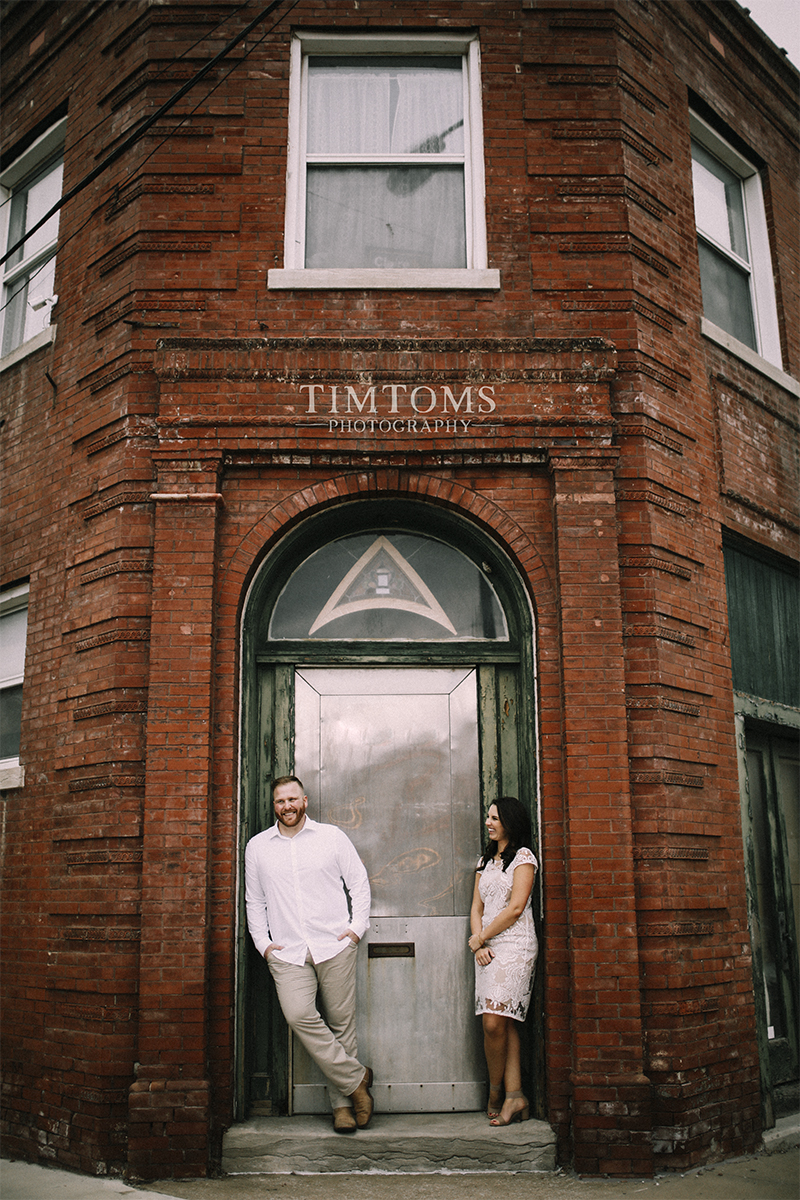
pixel 513 1067
pixel 501 1044
pixel 495 1043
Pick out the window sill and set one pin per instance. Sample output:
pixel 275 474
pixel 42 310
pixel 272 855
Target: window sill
pixel 746 705
pixel 377 277
pixel 11 777
pixel 43 338
pixel 733 346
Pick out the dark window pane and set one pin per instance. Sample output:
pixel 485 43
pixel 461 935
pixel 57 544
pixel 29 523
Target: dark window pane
pixel 726 295
pixel 16 297
pixel 764 620
pixel 10 720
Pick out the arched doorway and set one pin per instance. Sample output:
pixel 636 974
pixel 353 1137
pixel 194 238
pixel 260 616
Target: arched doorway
pixel 388 661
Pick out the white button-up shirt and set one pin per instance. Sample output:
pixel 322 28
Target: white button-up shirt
pixel 295 891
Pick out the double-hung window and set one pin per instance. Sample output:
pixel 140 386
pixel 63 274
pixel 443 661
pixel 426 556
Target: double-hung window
pixel 385 184
pixel 733 245
pixel 13 636
pixel 29 189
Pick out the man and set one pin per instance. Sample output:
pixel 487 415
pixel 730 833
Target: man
pixel 296 873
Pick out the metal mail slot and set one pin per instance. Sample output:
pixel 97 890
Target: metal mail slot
pixel 390 950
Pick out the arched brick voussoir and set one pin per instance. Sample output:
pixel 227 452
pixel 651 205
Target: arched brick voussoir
pixel 257 541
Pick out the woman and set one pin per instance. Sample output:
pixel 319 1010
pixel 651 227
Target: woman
pixel 504 944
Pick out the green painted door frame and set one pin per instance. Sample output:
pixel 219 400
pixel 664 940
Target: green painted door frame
pixel 507 705
pixel 765 734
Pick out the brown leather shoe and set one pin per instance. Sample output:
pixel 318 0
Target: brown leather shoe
pixel 344 1121
pixel 363 1104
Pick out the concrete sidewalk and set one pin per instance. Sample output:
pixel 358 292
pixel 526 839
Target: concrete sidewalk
pixel 773 1174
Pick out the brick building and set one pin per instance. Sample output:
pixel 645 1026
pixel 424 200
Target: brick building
pixel 409 383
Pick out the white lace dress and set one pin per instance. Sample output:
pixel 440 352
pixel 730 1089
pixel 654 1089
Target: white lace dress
pixel 505 985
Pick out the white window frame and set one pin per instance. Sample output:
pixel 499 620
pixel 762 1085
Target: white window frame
pixel 12 774
pixel 45 149
pixel 762 285
pixel 294 274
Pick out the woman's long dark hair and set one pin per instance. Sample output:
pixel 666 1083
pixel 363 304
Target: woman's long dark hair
pixel 517 824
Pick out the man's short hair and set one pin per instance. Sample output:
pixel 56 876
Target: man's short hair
pixel 276 783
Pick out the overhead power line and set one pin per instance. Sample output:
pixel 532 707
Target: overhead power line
pixel 167 67
pixel 139 133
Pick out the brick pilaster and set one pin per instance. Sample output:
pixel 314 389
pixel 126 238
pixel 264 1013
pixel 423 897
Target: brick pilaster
pixel 169 1107
pixel 610 1093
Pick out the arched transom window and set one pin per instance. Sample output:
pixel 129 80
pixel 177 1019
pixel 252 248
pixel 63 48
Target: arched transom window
pixel 388 587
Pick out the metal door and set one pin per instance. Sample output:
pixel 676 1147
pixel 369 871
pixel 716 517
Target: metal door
pixel 391 756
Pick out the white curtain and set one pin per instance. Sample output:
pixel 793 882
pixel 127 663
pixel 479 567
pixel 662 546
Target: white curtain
pixel 385 216
pixel 366 108
pixel 379 217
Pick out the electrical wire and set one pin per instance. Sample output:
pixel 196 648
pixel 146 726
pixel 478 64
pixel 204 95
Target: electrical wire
pixel 185 116
pixel 65 241
pixel 167 67
pixel 139 133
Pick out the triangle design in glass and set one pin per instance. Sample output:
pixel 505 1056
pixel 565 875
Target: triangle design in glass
pixel 382 578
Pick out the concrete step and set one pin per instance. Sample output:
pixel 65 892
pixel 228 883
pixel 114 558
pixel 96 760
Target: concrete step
pixel 408 1143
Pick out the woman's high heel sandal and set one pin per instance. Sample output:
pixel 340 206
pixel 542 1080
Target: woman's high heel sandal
pixel 495 1103
pixel 521 1113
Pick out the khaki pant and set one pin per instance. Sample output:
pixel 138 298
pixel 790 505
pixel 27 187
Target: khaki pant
pixel 330 1042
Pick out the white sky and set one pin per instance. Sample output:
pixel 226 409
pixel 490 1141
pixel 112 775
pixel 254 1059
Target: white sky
pixel 780 21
